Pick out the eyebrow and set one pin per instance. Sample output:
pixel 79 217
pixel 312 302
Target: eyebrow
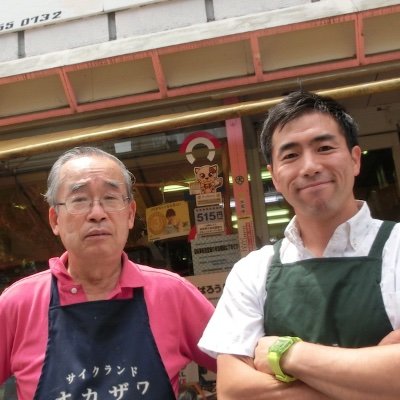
pixel 75 187
pixel 317 139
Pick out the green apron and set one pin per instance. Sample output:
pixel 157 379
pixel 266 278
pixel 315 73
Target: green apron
pixel 333 301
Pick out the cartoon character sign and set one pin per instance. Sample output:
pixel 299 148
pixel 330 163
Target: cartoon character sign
pixel 207 178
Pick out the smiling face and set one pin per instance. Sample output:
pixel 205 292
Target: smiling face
pixel 313 168
pixel 94 236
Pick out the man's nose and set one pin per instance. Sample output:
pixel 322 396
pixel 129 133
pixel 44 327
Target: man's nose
pixel 96 209
pixel 310 164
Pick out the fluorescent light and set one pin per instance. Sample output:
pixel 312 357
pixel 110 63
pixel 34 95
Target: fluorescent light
pixel 174 188
pixel 269 198
pixel 265 175
pixel 276 221
pixel 277 213
pixel 273 198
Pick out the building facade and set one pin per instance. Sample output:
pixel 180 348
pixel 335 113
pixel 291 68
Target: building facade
pixel 178 89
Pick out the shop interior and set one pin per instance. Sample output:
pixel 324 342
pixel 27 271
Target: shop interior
pixel 163 176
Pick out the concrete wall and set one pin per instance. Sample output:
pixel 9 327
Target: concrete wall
pixel 156 24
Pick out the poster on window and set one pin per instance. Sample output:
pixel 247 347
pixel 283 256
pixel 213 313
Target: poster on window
pixel 168 220
pixel 214 253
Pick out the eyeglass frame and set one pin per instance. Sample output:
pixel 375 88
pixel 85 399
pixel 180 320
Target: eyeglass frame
pixel 125 200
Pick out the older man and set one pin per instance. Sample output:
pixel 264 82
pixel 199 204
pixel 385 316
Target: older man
pixel 96 325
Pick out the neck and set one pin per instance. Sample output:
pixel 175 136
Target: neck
pixel 97 280
pixel 317 232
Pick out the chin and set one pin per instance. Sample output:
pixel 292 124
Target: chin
pixel 318 207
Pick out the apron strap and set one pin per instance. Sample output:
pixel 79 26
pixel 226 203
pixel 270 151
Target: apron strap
pixel 376 250
pixel 381 238
pixel 276 258
pixel 54 296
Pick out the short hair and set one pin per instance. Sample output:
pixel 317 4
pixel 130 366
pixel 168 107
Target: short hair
pixel 298 103
pixel 170 213
pixel 53 180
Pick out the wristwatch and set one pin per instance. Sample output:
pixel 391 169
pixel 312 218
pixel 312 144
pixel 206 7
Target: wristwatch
pixel 275 353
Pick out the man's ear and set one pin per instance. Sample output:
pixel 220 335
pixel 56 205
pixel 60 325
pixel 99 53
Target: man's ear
pixel 356 157
pixel 132 212
pixel 271 171
pixel 53 219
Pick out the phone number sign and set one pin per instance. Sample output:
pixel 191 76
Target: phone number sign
pixel 30 21
pixel 25 14
pixel 209 220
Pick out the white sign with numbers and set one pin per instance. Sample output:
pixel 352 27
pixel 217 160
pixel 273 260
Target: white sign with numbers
pixel 209 220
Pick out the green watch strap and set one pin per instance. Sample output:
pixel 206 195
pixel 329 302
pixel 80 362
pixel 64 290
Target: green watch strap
pixel 275 353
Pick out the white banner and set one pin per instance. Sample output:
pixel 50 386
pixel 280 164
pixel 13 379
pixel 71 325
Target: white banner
pixel 25 14
pixel 214 253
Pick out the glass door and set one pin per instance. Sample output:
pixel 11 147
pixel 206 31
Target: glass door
pixel 378 182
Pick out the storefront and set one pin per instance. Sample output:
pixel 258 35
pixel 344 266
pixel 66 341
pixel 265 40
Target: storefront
pixel 204 199
pixel 182 108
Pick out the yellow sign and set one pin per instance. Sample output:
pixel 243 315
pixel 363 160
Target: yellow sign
pixel 168 220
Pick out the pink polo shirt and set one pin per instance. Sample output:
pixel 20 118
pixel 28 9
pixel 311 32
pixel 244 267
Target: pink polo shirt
pixel 178 314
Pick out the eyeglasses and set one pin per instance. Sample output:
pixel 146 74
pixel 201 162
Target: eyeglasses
pixel 83 204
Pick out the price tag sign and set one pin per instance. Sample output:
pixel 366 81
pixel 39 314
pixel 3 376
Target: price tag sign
pixel 209 221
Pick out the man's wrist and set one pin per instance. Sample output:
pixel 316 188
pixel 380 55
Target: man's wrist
pixel 275 356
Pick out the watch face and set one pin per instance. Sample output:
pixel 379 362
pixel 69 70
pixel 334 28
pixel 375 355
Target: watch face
pixel 281 345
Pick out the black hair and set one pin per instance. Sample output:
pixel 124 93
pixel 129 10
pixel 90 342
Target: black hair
pixel 298 103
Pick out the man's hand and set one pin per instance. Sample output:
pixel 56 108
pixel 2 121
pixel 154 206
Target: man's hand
pixel 392 338
pixel 261 352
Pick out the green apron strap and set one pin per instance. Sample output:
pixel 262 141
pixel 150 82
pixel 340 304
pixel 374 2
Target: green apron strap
pixel 277 250
pixel 376 250
pixel 381 238
pixel 276 258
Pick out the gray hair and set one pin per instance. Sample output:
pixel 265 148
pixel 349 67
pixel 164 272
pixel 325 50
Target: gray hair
pixel 53 180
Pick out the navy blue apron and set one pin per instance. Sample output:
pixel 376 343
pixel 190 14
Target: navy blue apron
pixel 102 350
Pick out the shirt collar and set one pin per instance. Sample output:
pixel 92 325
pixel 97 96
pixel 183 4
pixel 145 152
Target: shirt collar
pixel 354 229
pixel 131 276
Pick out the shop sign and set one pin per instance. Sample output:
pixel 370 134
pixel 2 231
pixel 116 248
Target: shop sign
pixel 202 138
pixel 246 235
pixel 214 253
pixel 168 220
pixel 211 285
pixel 208 199
pixel 209 220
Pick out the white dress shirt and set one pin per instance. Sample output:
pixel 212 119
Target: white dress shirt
pixel 238 321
